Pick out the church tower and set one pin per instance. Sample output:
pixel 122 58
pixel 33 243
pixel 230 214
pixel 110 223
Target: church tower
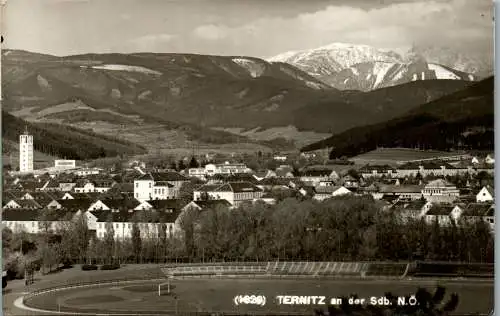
pixel 25 152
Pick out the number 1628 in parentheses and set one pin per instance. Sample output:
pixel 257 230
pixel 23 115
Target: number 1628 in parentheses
pixel 249 300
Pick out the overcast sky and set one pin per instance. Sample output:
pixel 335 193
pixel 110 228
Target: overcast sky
pixel 260 28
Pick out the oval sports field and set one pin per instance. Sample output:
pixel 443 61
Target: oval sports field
pixel 216 295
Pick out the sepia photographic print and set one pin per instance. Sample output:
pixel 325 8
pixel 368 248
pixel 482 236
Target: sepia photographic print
pixel 247 157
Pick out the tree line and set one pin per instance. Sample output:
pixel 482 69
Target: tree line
pixel 66 141
pixel 339 229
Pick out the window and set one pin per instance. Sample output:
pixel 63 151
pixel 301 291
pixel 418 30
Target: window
pixel 137 195
pixel 129 225
pixel 150 185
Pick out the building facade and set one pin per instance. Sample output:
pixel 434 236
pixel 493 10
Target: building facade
pixel 25 152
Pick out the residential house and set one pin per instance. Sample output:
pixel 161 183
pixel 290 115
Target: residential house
pixel 161 205
pixel 114 204
pixel 236 193
pixel 340 190
pixel 326 183
pixel 428 168
pixel 404 192
pixel 21 220
pixel 158 186
pixel 326 192
pixel 377 171
pixel 226 168
pixel 29 185
pixel 11 195
pixel 440 191
pixel 201 193
pixel 273 183
pixel 30 220
pixel 314 177
pixel 490 159
pixel 83 172
pixel 350 182
pixel 103 185
pixel 443 213
pixel 90 186
pixel 125 188
pixel 236 177
pixel 411 209
pixel 71 204
pixel 207 205
pixel 89 195
pixel 199 173
pixel 66 186
pixel 51 185
pixel 487 194
pixel 42 198
pixel 149 224
pixel 264 174
pixel 474 212
pixel 22 204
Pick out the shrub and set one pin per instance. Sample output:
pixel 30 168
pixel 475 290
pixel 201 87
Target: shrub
pixel 89 267
pixel 113 266
pixel 14 266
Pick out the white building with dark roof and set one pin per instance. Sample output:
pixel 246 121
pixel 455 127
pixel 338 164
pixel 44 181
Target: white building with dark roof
pixel 440 191
pixel 149 224
pixel 443 213
pixel 158 186
pixel 487 194
pixel 233 192
pixel 377 171
pixel 315 176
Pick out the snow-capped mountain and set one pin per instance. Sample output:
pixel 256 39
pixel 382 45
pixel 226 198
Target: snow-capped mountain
pixel 374 75
pixel 334 57
pixel 362 67
pixel 479 64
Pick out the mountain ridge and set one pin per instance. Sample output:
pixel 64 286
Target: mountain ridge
pixel 363 67
pixel 461 119
pixel 196 93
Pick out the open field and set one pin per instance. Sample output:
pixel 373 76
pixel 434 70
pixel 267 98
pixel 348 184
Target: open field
pixel 301 138
pixel 397 155
pixel 216 295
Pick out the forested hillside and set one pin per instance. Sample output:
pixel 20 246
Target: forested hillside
pixel 64 141
pixel 463 120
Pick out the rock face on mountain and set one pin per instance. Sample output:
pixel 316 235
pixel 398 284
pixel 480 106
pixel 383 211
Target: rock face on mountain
pixel 362 67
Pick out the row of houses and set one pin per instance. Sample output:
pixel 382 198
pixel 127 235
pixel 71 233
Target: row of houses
pixel 425 168
pixel 151 216
pixel 445 213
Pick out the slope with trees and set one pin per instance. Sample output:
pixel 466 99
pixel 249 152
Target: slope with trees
pixel 463 120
